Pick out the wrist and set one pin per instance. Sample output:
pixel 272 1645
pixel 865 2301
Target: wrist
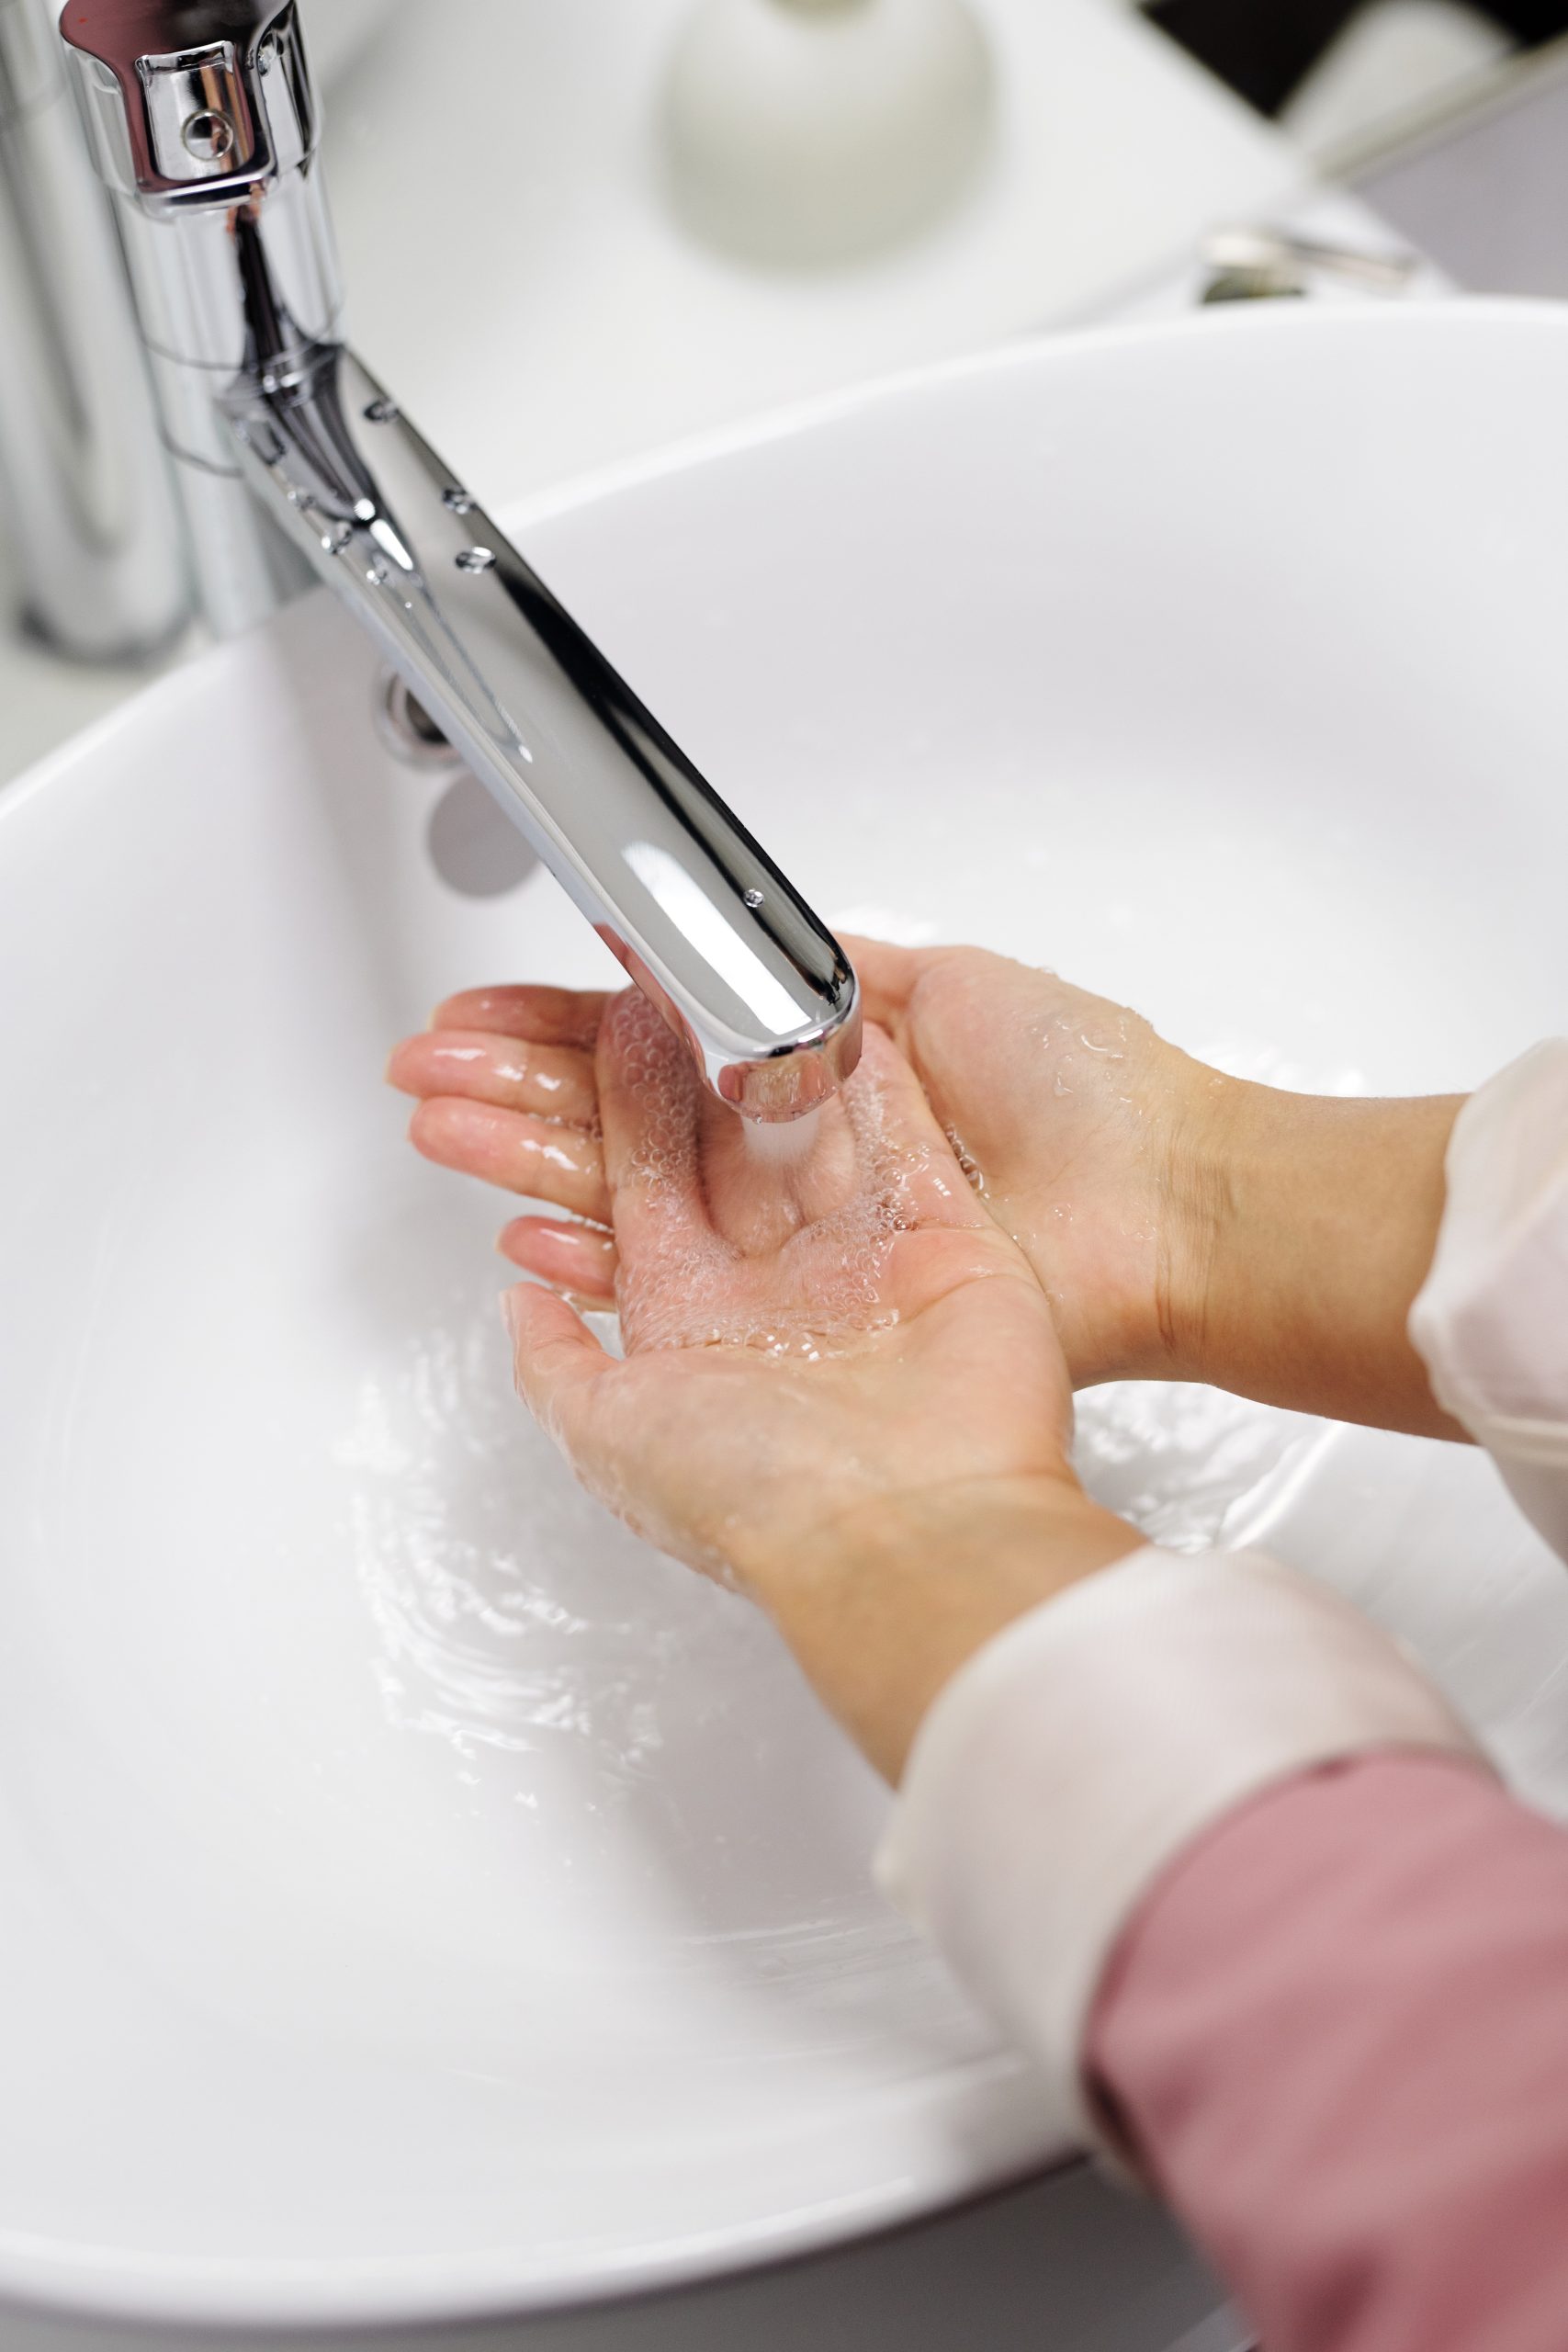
pixel 885 1604
pixel 1307 1224
pixel 1205 1120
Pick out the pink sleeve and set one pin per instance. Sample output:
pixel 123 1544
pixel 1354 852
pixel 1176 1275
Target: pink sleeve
pixel 1335 2038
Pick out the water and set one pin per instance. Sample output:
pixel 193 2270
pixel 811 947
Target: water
pixel 782 1143
pixel 772 1237
pixel 544 1647
pixel 1191 1468
pixel 514 1621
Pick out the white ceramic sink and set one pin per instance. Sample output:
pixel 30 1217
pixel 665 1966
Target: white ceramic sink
pixel 418 1898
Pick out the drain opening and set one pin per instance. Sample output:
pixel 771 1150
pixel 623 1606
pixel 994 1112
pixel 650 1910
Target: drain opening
pixel 407 728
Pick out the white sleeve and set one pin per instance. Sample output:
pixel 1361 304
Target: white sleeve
pixel 1078 1751
pixel 1491 1322
pixel 1075 1755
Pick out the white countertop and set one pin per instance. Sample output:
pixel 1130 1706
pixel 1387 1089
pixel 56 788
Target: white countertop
pixel 547 313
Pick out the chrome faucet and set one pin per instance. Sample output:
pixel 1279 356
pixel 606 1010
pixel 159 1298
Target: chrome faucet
pixel 291 457
pixel 89 507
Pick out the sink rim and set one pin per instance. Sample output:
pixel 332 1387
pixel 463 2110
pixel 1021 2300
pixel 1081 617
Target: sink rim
pixel 1393 318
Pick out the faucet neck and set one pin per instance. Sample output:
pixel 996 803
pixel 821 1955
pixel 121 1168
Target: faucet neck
pixel 202 122
pixel 291 454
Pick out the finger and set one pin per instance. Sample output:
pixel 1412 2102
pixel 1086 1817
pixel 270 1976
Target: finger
pixel 887 974
pixel 564 1165
pixel 540 1016
pixel 647 1106
pixel 569 1257
pixel 555 1360
pixel 762 1184
pixel 551 1082
pixel 930 1186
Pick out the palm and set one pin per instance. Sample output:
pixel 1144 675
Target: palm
pixel 801 1333
pixel 1066 1110
pixel 800 1338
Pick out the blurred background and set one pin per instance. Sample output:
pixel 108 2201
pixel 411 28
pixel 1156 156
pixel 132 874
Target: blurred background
pixel 575 236
pixel 1333 70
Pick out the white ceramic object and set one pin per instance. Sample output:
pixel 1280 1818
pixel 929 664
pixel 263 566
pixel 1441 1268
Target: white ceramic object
pixel 819 131
pixel 418 1898
pixel 540 307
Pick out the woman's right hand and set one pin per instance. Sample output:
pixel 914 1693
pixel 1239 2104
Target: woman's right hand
pixel 1185 1225
pixel 1088 1138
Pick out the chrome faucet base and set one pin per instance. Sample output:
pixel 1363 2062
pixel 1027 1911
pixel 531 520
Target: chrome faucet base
pixel 84 479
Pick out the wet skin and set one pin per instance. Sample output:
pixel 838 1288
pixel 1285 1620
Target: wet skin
pixel 1184 1225
pixel 1056 1197
pixel 841 1375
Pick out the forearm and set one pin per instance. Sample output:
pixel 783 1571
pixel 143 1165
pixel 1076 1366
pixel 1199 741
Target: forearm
pixel 1309 1227
pixel 886 1607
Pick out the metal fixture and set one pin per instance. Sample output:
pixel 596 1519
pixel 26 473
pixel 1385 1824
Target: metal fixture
pixel 1252 264
pixel 291 456
pixel 407 728
pixel 85 499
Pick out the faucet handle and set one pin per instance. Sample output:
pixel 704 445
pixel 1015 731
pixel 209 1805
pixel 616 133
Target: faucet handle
pixel 189 100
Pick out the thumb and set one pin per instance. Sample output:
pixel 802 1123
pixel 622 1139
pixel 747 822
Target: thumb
pixel 887 977
pixel 555 1357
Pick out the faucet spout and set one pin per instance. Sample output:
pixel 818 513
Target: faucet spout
pixel 204 123
pixel 692 905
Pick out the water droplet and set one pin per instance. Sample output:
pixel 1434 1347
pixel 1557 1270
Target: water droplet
pixel 378 573
pixel 381 410
pixel 475 559
pixel 967 1160
pixel 340 536
pixel 459 502
pixel 753 900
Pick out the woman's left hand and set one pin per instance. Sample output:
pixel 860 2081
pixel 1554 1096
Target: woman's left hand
pixel 842 1387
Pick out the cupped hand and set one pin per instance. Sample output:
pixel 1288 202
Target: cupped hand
pixel 1185 1225
pixel 841 1380
pixel 1087 1138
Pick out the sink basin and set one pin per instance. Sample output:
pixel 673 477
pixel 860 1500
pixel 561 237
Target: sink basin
pixel 419 1897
